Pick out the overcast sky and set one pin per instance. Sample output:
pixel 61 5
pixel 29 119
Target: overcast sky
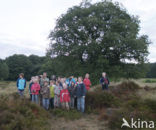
pixel 25 24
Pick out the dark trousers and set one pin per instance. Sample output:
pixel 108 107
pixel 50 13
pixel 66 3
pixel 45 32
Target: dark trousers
pixel 51 103
pixel 105 87
pixel 30 97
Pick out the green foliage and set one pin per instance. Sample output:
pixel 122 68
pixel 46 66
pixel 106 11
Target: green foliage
pixel 150 81
pixel 4 70
pixel 18 64
pixel 95 38
pixel 70 115
pixel 17 114
pixel 30 66
pixel 152 70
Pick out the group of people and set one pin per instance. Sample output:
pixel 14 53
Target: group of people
pixel 61 92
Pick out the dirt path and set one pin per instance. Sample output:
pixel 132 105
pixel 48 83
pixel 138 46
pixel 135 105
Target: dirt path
pixel 88 122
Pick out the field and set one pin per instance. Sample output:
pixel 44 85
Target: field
pixel 98 119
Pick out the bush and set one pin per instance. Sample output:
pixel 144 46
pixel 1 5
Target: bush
pixel 17 114
pixel 99 100
pixel 135 108
pixel 150 81
pixel 70 115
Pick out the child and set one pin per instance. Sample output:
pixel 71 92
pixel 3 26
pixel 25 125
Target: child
pixel 80 93
pixel 71 90
pixel 52 87
pixel 87 82
pixel 65 97
pixel 57 90
pixel 45 92
pixel 104 81
pixel 30 85
pixel 35 91
pixel 21 84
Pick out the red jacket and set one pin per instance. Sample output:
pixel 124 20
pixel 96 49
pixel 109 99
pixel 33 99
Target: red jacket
pixel 87 83
pixel 64 95
pixel 35 88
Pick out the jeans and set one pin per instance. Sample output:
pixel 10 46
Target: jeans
pixel 45 103
pixel 81 104
pixel 51 102
pixel 105 87
pixel 35 99
pixel 21 93
pixel 71 103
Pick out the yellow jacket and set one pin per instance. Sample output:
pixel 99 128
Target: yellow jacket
pixel 52 91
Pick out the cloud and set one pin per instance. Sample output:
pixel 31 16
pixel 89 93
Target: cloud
pixel 25 25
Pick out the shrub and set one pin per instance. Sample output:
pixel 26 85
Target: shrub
pixel 150 81
pixel 100 99
pixel 70 115
pixel 17 114
pixel 135 108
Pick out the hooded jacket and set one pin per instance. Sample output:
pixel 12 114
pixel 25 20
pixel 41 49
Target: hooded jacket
pixel 64 95
pixel 45 91
pixel 35 88
pixel 21 83
pixel 87 83
pixel 80 90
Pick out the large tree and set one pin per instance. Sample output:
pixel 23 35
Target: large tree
pixel 104 29
pixel 98 37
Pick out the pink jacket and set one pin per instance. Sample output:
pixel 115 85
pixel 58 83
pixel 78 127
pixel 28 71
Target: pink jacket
pixel 87 83
pixel 35 89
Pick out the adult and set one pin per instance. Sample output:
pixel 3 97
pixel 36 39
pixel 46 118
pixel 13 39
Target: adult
pixel 43 79
pixel 80 92
pixel 104 81
pixel 87 82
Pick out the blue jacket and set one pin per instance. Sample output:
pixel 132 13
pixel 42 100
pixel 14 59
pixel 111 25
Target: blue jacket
pixel 21 84
pixel 80 90
pixel 69 81
pixel 104 81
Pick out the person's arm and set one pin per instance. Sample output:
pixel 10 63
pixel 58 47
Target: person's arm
pixel 84 91
pixel 108 81
pixel 101 81
pixel 49 92
pixel 25 84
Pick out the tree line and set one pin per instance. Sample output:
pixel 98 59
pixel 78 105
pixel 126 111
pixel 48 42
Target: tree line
pixel 35 65
pixel 90 38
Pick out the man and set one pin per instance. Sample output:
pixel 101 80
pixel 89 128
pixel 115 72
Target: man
pixel 42 80
pixel 104 81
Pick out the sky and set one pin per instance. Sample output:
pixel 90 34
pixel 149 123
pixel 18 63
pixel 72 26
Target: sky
pixel 26 24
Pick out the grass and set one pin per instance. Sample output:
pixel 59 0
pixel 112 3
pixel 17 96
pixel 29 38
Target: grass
pixel 126 98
